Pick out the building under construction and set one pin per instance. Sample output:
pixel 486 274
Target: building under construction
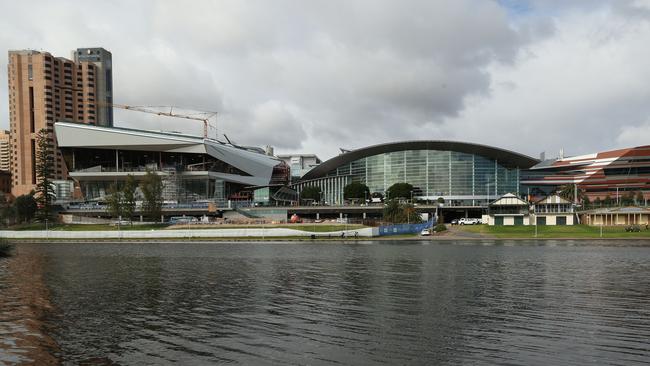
pixel 193 168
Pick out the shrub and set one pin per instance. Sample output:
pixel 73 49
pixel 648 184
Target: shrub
pixel 5 248
pixel 440 227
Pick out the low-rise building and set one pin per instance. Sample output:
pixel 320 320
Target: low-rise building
pixel 508 210
pixel 554 210
pixel 610 216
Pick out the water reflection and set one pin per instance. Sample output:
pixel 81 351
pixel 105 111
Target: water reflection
pixel 326 304
pixel 24 300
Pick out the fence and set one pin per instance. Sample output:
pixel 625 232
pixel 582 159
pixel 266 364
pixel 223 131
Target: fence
pixel 399 229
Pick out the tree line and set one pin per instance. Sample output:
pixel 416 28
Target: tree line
pixel 396 210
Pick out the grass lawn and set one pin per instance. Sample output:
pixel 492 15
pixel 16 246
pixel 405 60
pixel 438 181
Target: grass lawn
pixel 550 232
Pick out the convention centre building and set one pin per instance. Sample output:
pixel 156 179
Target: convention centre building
pixel 462 174
pixel 193 169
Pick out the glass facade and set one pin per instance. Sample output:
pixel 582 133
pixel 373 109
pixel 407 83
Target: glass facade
pixel 175 188
pixel 457 177
pixel 186 176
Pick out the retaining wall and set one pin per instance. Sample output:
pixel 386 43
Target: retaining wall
pixel 198 233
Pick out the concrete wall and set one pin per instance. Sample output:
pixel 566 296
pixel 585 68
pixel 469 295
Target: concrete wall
pixel 180 234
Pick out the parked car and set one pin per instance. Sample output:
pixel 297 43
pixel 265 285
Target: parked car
pixel 454 222
pixel 469 221
pixel 174 220
pixel 425 232
pixel 120 222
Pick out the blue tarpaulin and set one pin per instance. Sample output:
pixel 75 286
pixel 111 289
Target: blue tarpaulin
pixel 399 229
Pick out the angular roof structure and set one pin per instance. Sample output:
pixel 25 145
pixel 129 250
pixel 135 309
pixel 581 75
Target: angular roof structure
pixel 87 136
pixel 506 158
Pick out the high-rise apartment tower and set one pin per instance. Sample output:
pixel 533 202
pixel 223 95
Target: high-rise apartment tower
pixel 103 60
pixel 5 151
pixel 42 90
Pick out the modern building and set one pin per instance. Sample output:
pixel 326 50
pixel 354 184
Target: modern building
pixel 610 173
pixel 44 89
pixel 193 169
pixel 103 61
pixel 300 164
pixel 5 151
pixel 459 173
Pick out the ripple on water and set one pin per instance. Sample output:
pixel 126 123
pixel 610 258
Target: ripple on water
pixel 331 304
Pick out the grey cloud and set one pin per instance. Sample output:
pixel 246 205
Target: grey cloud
pixel 315 76
pixel 269 123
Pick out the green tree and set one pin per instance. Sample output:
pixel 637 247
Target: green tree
pixel 397 213
pixel 129 197
pixel 392 211
pixel 356 190
pixel 7 211
pixel 44 175
pixel 411 214
pixel 115 201
pixel 311 193
pixel 152 187
pixel 597 202
pixel 399 190
pixel 8 214
pixel 640 200
pixel 568 192
pixel 607 201
pixel 25 207
pixel 627 199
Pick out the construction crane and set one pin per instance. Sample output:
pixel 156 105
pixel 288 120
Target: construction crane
pixel 199 116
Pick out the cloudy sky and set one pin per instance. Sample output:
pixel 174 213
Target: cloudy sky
pixel 316 76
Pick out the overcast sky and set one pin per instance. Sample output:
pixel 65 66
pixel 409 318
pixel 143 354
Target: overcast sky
pixel 316 76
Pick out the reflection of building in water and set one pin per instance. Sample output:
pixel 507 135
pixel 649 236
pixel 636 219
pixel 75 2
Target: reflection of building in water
pixel 24 303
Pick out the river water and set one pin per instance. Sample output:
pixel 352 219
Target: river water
pixel 372 303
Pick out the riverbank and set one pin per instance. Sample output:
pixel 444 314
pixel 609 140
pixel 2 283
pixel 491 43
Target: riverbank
pixel 309 233
pixel 189 234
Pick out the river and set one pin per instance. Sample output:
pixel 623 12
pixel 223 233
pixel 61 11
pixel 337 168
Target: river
pixel 371 303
